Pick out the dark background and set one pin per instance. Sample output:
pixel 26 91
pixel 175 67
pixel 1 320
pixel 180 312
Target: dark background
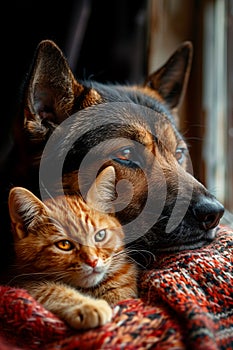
pixel 102 39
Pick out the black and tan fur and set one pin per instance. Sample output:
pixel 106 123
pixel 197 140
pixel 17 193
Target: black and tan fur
pixel 141 114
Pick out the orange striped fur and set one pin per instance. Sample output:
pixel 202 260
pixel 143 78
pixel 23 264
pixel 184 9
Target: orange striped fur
pixel 69 253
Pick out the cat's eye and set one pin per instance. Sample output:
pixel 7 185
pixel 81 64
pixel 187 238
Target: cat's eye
pixel 100 235
pixel 64 244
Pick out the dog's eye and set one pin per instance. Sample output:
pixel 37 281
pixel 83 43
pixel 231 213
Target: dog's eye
pixel 180 154
pixel 128 157
pixel 124 154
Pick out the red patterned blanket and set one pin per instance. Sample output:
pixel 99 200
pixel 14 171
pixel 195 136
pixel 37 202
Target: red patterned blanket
pixel 186 302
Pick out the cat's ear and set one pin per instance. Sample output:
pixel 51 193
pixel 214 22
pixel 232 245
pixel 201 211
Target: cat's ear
pixel 51 92
pixel 103 191
pixel 170 81
pixel 24 207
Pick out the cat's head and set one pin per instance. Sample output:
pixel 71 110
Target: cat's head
pixel 67 238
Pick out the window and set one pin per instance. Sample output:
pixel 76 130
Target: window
pixel 207 112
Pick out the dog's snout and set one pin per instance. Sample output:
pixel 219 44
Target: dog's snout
pixel 208 212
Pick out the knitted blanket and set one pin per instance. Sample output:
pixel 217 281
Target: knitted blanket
pixel 186 302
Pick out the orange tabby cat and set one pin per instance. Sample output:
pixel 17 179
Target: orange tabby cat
pixel 70 254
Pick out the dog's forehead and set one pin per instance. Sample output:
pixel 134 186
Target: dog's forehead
pixel 111 125
pixel 136 95
pixel 166 132
pixel 122 118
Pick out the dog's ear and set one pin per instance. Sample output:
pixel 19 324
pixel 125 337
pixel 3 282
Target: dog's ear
pixel 170 81
pixel 51 91
pixel 49 82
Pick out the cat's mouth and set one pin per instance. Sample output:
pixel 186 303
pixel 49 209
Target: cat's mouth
pixel 91 278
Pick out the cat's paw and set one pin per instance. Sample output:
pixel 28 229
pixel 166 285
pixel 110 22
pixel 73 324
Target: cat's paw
pixel 90 314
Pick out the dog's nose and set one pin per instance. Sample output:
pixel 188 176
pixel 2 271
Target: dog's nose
pixel 208 212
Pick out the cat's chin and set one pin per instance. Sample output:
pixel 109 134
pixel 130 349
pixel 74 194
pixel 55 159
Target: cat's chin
pixel 91 280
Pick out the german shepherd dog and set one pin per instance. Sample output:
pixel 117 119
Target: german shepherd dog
pixel 67 130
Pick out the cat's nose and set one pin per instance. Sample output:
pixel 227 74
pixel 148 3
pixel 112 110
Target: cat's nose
pixel 91 262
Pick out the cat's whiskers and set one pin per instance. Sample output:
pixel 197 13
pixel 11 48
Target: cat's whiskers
pixel 66 243
pixel 148 256
pixel 118 253
pixel 137 249
pixel 24 276
pixel 55 276
pixel 114 261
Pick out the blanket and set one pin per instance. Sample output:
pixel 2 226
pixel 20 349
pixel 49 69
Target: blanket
pixel 185 302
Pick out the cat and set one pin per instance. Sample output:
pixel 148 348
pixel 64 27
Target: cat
pixel 132 127
pixel 69 253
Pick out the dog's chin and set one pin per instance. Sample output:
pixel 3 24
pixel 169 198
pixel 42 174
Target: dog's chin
pixel 192 243
pixel 154 243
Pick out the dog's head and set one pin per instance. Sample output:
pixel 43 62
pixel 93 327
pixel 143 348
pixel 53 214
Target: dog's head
pixel 83 126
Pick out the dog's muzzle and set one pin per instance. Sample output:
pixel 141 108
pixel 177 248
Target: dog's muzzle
pixel 208 212
pixel 198 227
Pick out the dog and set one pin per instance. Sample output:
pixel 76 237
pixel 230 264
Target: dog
pixel 67 130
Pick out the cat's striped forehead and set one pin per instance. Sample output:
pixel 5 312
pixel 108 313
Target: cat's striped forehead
pixel 78 219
